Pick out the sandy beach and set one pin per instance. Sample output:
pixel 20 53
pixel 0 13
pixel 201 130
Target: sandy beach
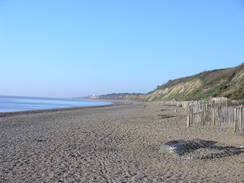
pixel 112 144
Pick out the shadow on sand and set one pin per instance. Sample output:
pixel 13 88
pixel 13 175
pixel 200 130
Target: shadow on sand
pixel 164 116
pixel 199 149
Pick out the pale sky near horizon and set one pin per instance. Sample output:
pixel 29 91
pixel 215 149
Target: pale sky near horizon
pixel 59 48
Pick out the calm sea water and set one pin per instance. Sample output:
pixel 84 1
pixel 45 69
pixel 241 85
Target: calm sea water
pixel 13 104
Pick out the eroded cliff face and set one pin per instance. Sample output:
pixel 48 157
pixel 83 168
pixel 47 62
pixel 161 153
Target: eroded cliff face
pixel 222 82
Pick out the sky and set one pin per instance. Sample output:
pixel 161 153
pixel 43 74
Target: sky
pixel 75 48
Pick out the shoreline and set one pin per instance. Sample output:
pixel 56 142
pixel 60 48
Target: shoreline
pixel 8 114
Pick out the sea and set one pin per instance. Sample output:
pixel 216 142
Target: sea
pixel 14 104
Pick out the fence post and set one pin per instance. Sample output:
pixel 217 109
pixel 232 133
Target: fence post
pixel 219 116
pixel 242 120
pixel 201 114
pixel 213 114
pixel 227 113
pixel 235 119
pixel 204 113
pixel 240 117
pixel 191 116
pixel 188 117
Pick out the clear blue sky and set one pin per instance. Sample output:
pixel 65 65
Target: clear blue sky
pixel 61 48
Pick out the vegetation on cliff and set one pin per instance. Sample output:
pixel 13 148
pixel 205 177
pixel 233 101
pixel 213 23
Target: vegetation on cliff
pixel 215 83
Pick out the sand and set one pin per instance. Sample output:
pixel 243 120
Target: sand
pixel 118 144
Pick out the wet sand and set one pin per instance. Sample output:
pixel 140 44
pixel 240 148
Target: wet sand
pixel 118 143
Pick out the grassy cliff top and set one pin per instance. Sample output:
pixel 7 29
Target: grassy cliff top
pixel 227 82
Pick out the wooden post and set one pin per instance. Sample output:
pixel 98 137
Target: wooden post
pixel 188 121
pixel 227 115
pixel 216 114
pixel 235 119
pixel 219 115
pixel 192 115
pixel 201 111
pixel 213 114
pixel 240 117
pixel 224 113
pixel 188 117
pixel 204 114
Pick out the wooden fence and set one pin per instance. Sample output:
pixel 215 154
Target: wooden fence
pixel 238 120
pixel 222 114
